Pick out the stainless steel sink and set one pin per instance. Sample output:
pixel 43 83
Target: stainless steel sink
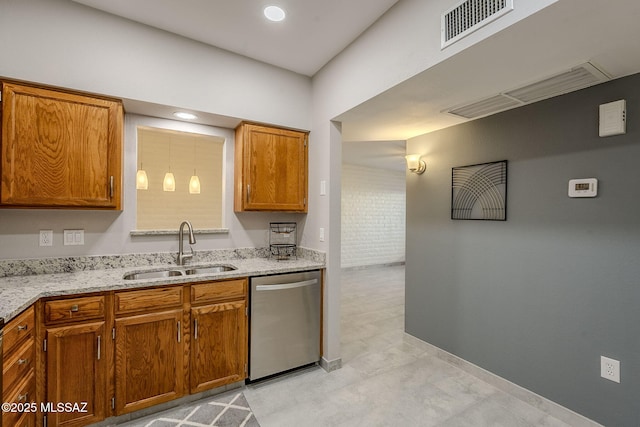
pixel 209 269
pixel 152 274
pixel 172 272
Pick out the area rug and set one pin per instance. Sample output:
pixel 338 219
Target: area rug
pixel 225 410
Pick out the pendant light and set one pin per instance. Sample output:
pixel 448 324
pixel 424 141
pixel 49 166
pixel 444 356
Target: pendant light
pixel 142 182
pixel 169 182
pixel 194 182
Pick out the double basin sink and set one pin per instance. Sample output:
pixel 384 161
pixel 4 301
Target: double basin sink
pixel 182 271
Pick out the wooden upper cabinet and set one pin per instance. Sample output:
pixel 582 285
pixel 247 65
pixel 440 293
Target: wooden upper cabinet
pixel 60 149
pixel 271 169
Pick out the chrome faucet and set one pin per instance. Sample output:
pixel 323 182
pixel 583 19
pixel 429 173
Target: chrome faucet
pixel 182 257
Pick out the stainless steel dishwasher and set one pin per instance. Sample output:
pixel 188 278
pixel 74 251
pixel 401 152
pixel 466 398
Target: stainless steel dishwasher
pixel 285 323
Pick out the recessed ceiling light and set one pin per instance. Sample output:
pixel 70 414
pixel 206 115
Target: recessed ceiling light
pixel 274 13
pixel 185 116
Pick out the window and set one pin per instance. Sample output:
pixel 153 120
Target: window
pixel 183 154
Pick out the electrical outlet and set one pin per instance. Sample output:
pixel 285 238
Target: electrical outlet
pixel 46 237
pixel 610 369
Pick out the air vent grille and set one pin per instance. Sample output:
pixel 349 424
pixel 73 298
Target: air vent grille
pixel 574 79
pixel 485 107
pixel 580 77
pixel 469 15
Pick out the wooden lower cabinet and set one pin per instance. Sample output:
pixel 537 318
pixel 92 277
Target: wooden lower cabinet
pixel 76 373
pixel 18 370
pixel 218 347
pixel 123 351
pixel 149 360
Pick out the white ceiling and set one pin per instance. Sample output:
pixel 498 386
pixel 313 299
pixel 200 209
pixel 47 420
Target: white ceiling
pixel 554 40
pixel 314 32
pixel 561 36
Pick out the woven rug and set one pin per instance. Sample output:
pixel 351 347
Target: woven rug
pixel 224 410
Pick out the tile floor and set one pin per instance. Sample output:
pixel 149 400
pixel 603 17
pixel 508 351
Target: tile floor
pixel 388 378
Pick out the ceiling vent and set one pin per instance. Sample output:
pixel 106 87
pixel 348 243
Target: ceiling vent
pixel 580 77
pixel 577 78
pixel 485 107
pixel 469 15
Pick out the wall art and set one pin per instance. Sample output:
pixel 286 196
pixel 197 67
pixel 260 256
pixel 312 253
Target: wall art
pixel 479 191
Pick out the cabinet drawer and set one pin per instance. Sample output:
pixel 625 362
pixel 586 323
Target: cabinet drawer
pixel 18 330
pixel 208 292
pixel 24 393
pixel 85 308
pixel 148 299
pixel 17 366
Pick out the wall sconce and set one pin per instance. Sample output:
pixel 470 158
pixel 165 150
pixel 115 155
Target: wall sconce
pixel 415 164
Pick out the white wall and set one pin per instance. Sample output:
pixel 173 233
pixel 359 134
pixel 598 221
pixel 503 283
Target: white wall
pixel 373 216
pixel 402 43
pixel 65 44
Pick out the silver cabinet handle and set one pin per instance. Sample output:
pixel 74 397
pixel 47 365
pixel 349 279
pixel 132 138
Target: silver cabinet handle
pixel 23 361
pixel 286 285
pixel 23 327
pixel 179 332
pixel 195 328
pixel 248 192
pixel 99 338
pixel 111 187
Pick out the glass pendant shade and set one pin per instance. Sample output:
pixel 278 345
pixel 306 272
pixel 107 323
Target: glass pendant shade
pixel 169 183
pixel 194 185
pixel 142 182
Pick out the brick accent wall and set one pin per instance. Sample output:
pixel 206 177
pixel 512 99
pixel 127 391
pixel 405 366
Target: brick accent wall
pixel 373 216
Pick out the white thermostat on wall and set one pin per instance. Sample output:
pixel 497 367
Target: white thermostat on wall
pixel 585 187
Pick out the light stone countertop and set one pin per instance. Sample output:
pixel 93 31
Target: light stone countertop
pixel 19 292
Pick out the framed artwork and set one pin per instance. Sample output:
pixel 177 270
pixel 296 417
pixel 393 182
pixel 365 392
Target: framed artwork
pixel 479 191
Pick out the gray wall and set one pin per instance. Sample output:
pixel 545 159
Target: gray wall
pixel 539 298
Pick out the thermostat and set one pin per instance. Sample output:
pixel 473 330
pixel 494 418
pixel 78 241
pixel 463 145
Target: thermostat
pixel 585 187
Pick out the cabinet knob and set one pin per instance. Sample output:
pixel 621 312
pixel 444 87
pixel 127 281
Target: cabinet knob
pixel 74 308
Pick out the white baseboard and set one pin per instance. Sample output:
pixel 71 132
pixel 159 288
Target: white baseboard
pixel 543 404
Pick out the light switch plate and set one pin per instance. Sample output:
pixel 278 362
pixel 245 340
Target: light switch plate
pixel 73 237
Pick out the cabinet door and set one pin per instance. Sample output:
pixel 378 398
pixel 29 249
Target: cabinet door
pixel 76 373
pixel 218 347
pixel 274 169
pixel 60 149
pixel 149 360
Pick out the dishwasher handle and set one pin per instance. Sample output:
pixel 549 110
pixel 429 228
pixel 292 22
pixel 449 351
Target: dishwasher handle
pixel 281 286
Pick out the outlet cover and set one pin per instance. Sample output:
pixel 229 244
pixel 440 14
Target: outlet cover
pixel 46 237
pixel 610 369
